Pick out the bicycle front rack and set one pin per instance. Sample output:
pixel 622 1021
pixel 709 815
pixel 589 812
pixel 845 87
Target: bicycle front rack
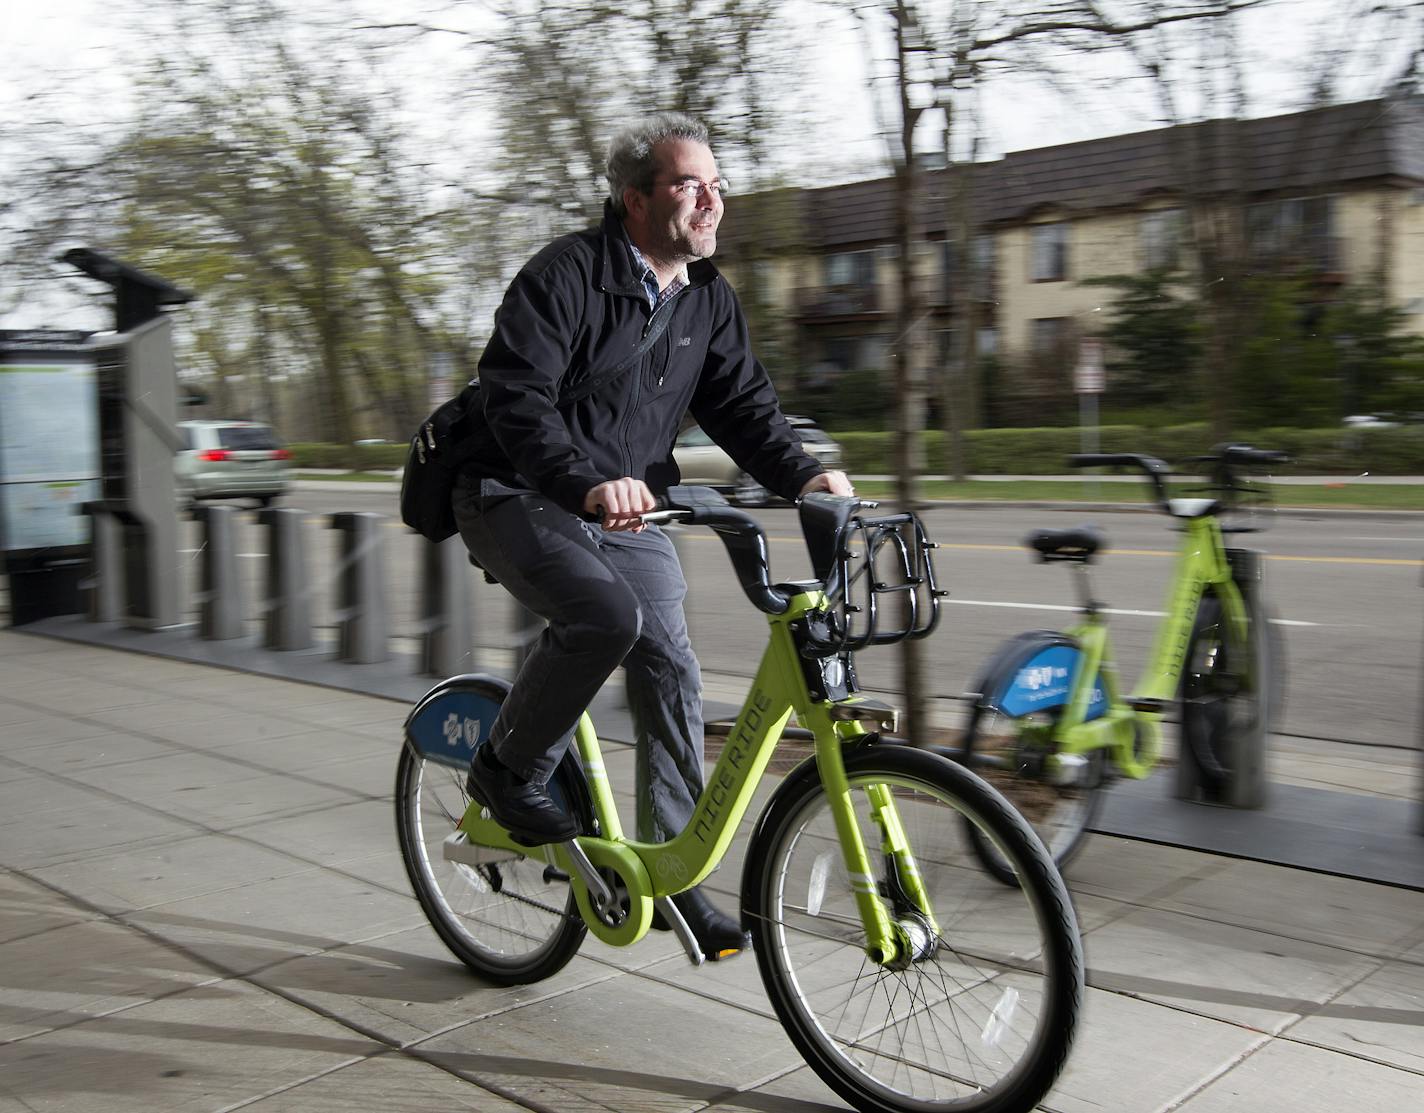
pixel 877 558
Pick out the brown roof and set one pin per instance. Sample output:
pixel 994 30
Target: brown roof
pixel 1303 152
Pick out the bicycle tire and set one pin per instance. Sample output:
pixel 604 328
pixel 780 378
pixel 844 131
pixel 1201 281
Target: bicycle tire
pixel 511 921
pixel 1221 694
pixel 1061 815
pixel 984 1023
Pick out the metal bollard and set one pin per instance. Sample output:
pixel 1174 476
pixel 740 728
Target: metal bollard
pixel 287 607
pixel 104 585
pixel 220 595
pixel 362 625
pixel 446 609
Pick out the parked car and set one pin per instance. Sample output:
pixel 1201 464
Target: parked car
pixel 230 460
pixel 704 464
pixel 1369 421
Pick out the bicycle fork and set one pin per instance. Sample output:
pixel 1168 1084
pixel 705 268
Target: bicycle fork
pixel 913 933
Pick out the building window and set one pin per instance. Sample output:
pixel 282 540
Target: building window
pixel 1049 262
pixel 874 353
pixel 950 258
pixel 1161 236
pixel 850 268
pixel 1051 335
pixel 1297 232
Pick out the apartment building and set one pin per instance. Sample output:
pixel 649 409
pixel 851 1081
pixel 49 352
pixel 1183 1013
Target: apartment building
pixel 1335 194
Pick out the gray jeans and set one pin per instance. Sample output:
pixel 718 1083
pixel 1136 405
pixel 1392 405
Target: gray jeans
pixel 609 599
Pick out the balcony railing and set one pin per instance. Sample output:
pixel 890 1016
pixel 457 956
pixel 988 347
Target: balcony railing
pixel 837 301
pixel 1323 255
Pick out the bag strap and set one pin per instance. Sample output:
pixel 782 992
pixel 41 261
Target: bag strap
pixel 656 326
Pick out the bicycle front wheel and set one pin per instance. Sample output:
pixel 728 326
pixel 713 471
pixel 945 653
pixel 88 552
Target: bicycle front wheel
pixel 981 1019
pixel 510 918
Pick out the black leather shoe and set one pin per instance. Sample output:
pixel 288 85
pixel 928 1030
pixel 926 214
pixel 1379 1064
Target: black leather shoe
pixel 521 807
pixel 717 934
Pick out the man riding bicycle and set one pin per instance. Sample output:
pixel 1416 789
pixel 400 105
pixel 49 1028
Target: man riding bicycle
pixel 551 503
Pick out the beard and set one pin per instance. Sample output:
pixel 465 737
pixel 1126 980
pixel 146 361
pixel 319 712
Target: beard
pixel 691 241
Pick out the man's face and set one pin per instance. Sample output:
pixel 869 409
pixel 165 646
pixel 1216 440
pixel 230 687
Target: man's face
pixel 679 219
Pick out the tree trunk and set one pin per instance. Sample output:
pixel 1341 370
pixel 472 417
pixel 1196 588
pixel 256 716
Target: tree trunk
pixel 909 383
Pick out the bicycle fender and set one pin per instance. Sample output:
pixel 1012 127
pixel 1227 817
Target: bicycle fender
pixel 454 717
pixel 1033 671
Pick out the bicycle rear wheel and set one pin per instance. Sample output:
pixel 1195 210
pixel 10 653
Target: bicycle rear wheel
pixel 1230 691
pixel 982 1019
pixel 510 918
pixel 1015 755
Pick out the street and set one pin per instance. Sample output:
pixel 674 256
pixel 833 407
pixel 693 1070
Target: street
pixel 1346 589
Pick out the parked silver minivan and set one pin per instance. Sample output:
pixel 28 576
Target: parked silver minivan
pixel 230 460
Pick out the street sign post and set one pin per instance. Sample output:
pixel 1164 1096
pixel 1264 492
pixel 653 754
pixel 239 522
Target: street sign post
pixel 1089 380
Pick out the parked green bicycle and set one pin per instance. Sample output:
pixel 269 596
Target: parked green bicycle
pixel 907 977
pixel 1050 726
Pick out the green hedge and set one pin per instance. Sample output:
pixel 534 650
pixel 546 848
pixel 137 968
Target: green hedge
pixel 1042 451
pixel 1045 451
pixel 349 457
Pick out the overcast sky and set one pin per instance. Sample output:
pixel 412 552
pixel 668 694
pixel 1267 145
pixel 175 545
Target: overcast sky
pixel 80 44
pixel 82 38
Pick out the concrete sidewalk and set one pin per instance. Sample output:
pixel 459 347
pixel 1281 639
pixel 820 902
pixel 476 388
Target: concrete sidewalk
pixel 202 908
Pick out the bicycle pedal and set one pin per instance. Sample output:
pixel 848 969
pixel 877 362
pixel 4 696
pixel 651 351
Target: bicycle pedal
pixel 1146 706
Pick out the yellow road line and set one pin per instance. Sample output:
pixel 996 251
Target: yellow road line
pixel 970 547
pixel 1401 561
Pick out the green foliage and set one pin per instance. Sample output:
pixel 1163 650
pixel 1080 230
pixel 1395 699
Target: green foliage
pixel 1284 365
pixel 1381 367
pixel 1298 355
pixel 1330 451
pixel 1155 338
pixel 348 457
pixel 853 400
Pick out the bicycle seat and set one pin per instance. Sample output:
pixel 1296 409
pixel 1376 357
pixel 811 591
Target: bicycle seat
pixel 1192 508
pixel 1078 543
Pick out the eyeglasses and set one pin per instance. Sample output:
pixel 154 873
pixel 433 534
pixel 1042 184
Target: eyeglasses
pixel 692 188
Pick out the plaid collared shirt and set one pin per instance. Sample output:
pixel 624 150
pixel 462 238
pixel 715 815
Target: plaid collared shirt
pixel 650 279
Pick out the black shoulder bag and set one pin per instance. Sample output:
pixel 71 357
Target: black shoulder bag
pixel 445 442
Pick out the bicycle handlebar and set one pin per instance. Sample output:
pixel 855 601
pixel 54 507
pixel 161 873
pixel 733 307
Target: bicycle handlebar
pixel 1222 461
pixel 830 524
pixel 1154 469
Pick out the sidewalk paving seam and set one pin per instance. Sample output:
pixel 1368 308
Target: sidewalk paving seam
pixel 1214 1077
pixel 203 831
pixel 384 1045
pixel 299 1082
pixel 218 754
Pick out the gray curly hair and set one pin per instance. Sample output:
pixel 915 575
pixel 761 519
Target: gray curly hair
pixel 630 154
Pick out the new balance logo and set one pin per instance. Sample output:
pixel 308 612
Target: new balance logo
pixel 685 342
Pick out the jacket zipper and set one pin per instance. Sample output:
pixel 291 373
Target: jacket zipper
pixel 637 377
pixel 668 305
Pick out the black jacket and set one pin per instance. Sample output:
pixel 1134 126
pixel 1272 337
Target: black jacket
pixel 577 308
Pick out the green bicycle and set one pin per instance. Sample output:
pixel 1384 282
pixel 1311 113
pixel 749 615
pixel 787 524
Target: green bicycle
pixel 909 979
pixel 1049 726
